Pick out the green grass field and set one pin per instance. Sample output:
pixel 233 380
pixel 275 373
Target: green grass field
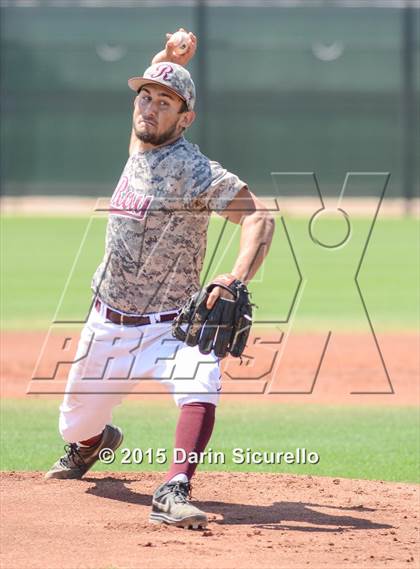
pixel 39 253
pixel 365 442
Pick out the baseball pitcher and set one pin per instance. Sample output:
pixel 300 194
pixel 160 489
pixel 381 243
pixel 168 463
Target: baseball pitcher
pixel 150 316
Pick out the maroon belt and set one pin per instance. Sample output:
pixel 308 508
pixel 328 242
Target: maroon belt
pixel 132 320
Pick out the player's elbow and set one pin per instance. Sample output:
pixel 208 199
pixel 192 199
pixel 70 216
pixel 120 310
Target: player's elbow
pixel 270 222
pixel 267 223
pixel 264 217
pixel 260 226
pixel 270 226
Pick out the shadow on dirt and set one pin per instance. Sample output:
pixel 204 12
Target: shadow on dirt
pixel 279 515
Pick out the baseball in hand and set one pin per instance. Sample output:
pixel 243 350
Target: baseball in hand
pixel 180 41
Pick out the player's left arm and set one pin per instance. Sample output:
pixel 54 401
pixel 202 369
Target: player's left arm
pixel 257 229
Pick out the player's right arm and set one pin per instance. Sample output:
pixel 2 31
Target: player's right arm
pixel 168 54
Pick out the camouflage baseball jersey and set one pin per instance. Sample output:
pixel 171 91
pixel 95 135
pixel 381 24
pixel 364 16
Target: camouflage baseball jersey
pixel 157 228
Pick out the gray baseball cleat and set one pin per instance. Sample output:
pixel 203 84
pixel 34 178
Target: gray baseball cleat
pixel 78 460
pixel 170 505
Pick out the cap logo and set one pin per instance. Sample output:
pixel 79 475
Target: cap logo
pixel 165 71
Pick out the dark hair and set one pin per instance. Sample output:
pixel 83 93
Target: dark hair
pixel 184 107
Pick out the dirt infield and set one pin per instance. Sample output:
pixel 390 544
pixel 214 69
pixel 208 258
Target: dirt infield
pixel 256 520
pixel 351 365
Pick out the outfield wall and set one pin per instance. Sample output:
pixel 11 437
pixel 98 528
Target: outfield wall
pixel 292 89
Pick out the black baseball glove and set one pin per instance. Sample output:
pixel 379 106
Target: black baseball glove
pixel 224 328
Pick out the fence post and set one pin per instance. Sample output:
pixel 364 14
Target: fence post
pixel 201 32
pixel 409 110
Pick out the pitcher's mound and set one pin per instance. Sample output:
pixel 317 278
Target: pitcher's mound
pixel 256 520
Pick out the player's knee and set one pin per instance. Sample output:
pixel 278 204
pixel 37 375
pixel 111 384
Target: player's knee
pixel 69 433
pixel 211 398
pixel 74 431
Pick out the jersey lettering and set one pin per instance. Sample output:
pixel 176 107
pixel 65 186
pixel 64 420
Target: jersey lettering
pixel 129 202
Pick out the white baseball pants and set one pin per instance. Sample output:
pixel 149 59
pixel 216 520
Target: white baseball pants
pixel 111 360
